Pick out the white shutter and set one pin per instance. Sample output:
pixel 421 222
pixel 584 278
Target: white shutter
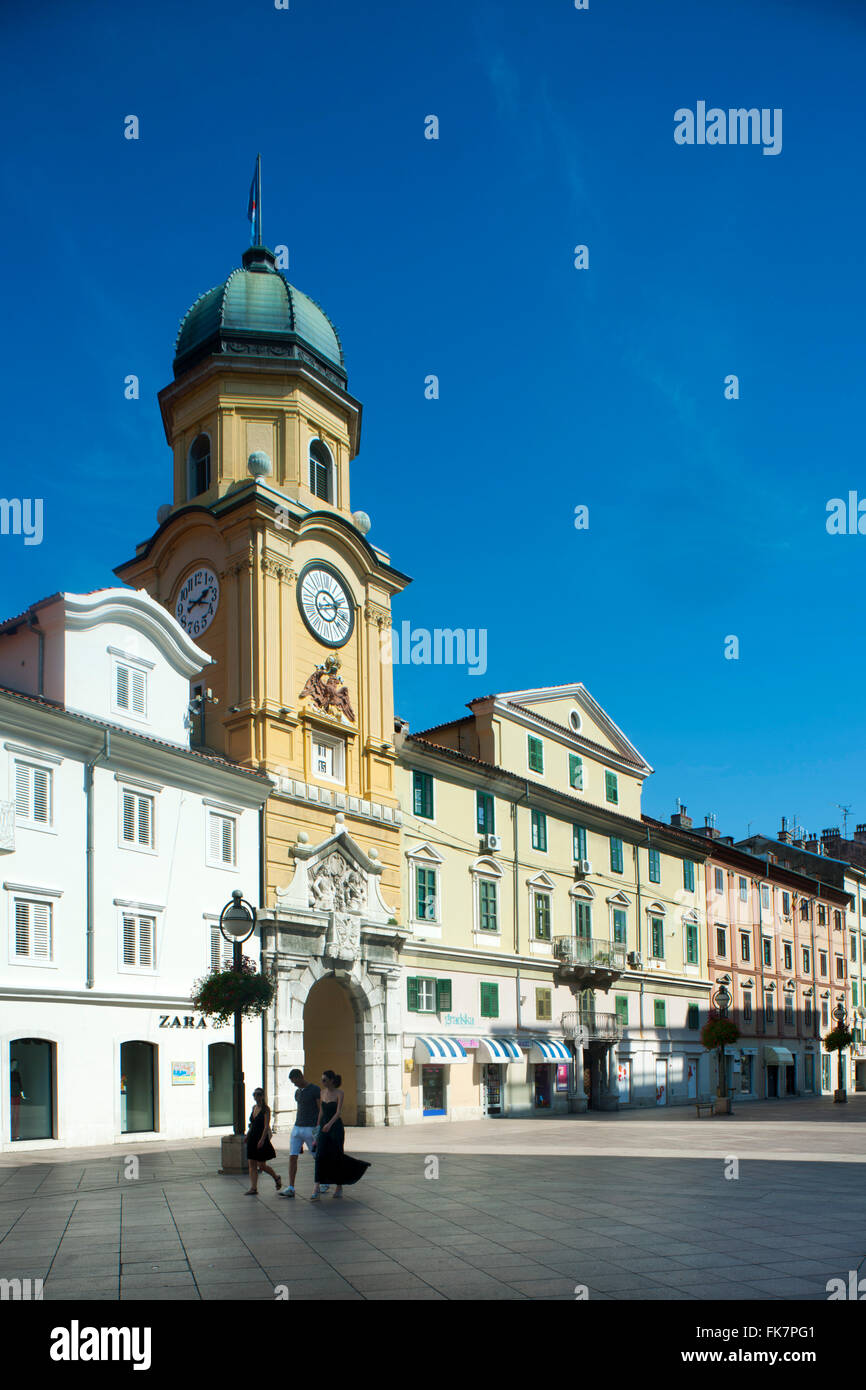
pixel 42 944
pixel 128 940
pixel 145 820
pixel 122 686
pixel 228 841
pixel 22 929
pixel 215 952
pixel 146 933
pixel 41 795
pixel 22 790
pixel 129 816
pixel 213 831
pixel 139 688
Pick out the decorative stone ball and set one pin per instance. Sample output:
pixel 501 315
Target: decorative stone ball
pixel 374 853
pixel 362 522
pixel 303 837
pixel 163 513
pixel 259 464
pixel 339 818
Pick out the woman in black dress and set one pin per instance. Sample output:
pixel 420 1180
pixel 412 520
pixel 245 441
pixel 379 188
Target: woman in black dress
pixel 259 1146
pixel 332 1165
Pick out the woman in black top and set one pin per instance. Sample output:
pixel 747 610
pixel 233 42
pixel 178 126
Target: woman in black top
pixel 259 1146
pixel 332 1165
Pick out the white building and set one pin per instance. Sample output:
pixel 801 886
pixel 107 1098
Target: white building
pixel 119 846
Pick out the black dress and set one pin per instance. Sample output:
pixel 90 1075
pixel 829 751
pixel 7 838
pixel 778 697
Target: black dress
pixel 253 1135
pixel 332 1165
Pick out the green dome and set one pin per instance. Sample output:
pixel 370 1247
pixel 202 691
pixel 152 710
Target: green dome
pixel 256 312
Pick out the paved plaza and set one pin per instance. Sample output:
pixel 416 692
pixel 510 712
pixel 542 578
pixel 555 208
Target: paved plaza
pixel 633 1206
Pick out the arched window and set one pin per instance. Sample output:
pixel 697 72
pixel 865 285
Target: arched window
pixel 321 471
pixel 199 465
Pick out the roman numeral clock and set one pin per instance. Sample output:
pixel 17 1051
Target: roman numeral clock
pixel 325 603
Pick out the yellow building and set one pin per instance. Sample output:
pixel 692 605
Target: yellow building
pixel 265 564
pixel 557 948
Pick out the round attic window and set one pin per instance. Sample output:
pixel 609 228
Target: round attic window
pixel 574 721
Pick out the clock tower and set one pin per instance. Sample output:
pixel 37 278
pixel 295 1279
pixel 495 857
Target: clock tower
pixel 261 558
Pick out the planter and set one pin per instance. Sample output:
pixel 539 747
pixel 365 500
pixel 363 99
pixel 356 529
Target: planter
pixel 722 1105
pixel 840 1097
pixel 233 1154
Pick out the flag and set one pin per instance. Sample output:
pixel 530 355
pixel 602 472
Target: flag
pixel 254 207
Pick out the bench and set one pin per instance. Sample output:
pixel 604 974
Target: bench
pixel 705 1106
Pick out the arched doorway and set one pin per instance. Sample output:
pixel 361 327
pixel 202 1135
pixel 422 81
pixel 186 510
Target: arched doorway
pixel 329 1039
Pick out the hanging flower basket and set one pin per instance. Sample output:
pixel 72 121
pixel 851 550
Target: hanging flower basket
pixel 223 993
pixel 838 1040
pixel 719 1032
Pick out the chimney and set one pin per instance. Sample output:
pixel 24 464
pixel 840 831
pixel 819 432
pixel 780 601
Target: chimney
pixel 708 828
pixel 812 845
pixel 860 834
pixel 831 838
pixel 680 819
pixel 784 834
pixel 799 844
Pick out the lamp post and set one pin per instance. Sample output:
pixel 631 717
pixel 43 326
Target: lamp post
pixel 840 1014
pixel 720 1000
pixel 237 924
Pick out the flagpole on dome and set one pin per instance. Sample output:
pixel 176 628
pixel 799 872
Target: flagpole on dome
pixel 254 206
pixel 260 241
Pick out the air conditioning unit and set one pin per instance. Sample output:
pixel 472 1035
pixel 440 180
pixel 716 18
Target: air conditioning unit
pixel 493 842
pixel 635 959
pixel 583 866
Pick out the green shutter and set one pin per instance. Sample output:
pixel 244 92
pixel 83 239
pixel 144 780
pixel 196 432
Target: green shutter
pixel 484 813
pixel 622 1008
pixel 615 855
pixel 575 771
pixel 619 926
pixel 489 1000
pixel 688 875
pixel 655 868
pixel 583 920
pixel 611 790
pixel 692 1018
pixel 580 842
pixel 443 996
pixel 422 786
pixel 659 1012
pixel 412 995
pixel 536 754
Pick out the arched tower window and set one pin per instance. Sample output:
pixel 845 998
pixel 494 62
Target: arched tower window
pixel 199 465
pixel 321 471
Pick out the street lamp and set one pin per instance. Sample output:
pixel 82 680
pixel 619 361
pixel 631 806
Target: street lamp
pixel 721 999
pixel 840 1013
pixel 237 924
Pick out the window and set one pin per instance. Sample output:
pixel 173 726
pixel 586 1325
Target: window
pixel 787 955
pixel 786 904
pixel 422 795
pixel 769 1009
pixel 579 836
pixel 221 840
pixel 488 919
pixel 539 831
pixel 840 967
pixel 321 470
pixel 621 1008
pixel 541 916
pixel 544 1004
pixel 535 754
pixel 138 944
pixel 221 952
pixel 484 818
pixel 33 794
pixel 854 994
pixel 421 995
pixel 619 926
pixel 807 1011
pixel 789 1009
pixel 744 890
pixel 328 758
pixel 689 875
pixel 825 1014
pixel 489 1000
pixel 611 787
pixel 583 920
pixel 692 944
pixel 807 960
pixel 822 962
pixel 34 931
pixel 615 855
pixel 721 941
pixel 657 937
pixel 130 689
pixel 822 915
pixel 575 772
pixel 804 909
pixel 692 1016
pixel 745 945
pixel 837 920
pixel 767 948
pixel 425 894
pixel 136 819
pixel 199 465
pixel 719 878
pixel 655 866
pixel 853 947
pixel 765 896
pixel 659 1013
pixel 747 1006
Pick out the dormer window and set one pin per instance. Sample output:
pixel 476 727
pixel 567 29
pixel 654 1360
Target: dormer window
pixel 321 471
pixel 129 689
pixel 199 465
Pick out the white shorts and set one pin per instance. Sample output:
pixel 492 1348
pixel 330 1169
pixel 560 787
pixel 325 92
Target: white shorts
pixel 301 1135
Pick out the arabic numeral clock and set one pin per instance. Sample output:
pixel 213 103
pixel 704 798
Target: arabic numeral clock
pixel 198 601
pixel 326 604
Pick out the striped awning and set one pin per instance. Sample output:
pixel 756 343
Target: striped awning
pixel 499 1049
pixel 440 1049
pixel 548 1050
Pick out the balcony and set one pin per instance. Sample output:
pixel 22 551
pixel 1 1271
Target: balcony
pixel 588 963
pixel 7 826
pixel 595 1026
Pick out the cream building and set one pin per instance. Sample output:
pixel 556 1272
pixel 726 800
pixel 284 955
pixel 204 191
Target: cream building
pixel 556 955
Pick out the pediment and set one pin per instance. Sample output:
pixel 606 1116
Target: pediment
pixel 556 704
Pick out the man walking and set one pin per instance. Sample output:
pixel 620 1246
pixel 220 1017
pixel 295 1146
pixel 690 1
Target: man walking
pixel 303 1130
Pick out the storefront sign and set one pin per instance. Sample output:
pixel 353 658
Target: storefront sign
pixel 468 1042
pixel 562 1076
pixel 181 1021
pixel 458 1020
pixel 183 1073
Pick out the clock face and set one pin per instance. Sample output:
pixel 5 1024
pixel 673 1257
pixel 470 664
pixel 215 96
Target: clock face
pixel 197 601
pixel 326 604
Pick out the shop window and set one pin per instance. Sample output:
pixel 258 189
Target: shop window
pixel 220 1083
pixel 137 1087
pixel 31 1089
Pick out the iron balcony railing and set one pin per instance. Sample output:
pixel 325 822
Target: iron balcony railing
pixel 590 951
pixel 599 1027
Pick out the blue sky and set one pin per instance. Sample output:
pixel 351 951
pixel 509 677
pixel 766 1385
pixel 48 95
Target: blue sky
pixel 558 387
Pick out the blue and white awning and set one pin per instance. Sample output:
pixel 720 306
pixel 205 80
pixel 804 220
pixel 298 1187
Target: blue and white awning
pixel 548 1050
pixel 441 1049
pixel 499 1049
